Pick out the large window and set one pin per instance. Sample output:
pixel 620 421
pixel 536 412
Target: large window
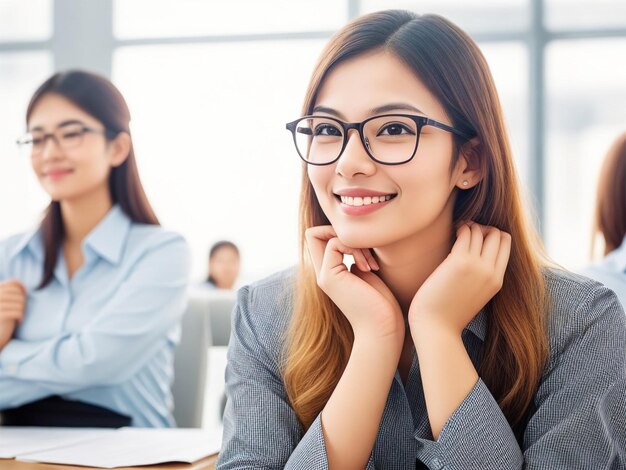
pixel 25 61
pixel 585 83
pixel 140 19
pixel 485 16
pixel 25 22
pixel 216 160
pixel 211 84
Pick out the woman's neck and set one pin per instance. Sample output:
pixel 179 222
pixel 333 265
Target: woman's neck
pixel 81 215
pixel 405 265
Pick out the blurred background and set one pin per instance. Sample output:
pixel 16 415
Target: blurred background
pixel 210 85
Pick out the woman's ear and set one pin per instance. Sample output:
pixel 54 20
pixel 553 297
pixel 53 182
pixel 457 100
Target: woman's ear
pixel 120 149
pixel 469 171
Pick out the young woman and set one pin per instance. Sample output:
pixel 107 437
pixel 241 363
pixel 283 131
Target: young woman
pixel 610 221
pixel 223 265
pixel 90 302
pixel 449 343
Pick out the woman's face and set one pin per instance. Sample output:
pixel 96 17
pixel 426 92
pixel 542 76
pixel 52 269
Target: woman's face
pixel 77 166
pixel 224 267
pixel 420 192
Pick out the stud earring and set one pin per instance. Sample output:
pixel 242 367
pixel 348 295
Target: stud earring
pixel 465 183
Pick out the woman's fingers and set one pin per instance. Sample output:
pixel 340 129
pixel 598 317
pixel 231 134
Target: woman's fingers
pixel 316 241
pixel 13 309
pixel 374 281
pixel 502 259
pixel 333 256
pixel 321 239
pixel 476 239
pixel 491 246
pixel 15 314
pixel 335 251
pixel 12 295
pixel 10 303
pixel 371 261
pixel 11 284
pixel 12 300
pixel 12 287
pixel 360 259
pixel 462 243
pixel 481 241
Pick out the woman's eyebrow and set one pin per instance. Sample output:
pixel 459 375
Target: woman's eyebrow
pixel 377 110
pixel 394 107
pixel 69 122
pixel 325 109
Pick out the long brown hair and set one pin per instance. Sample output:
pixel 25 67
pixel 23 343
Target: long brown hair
pixel 449 63
pixel 610 218
pixel 98 97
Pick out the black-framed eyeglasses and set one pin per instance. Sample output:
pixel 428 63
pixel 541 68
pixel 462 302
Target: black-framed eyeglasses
pixel 390 139
pixel 67 137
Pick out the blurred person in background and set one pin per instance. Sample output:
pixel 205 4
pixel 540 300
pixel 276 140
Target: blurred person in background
pixel 224 263
pixel 91 300
pixel 610 221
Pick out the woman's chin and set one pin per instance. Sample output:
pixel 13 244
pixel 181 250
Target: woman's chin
pixel 355 239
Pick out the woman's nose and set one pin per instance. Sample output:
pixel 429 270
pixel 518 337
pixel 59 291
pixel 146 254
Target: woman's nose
pixel 51 148
pixel 355 160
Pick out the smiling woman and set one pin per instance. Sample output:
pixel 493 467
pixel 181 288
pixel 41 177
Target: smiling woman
pixel 451 342
pixel 90 302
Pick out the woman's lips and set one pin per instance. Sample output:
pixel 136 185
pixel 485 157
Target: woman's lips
pixel 57 173
pixel 364 204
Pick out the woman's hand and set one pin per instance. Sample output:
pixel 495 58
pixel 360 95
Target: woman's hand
pixel 467 279
pixel 361 295
pixel 12 305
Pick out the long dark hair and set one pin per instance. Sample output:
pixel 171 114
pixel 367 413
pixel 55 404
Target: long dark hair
pixel 454 70
pixel 98 97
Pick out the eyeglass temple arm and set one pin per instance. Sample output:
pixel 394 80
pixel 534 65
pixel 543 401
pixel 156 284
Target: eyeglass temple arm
pixel 291 126
pixel 445 127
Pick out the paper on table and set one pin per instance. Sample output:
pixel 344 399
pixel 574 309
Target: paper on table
pixel 16 440
pixel 129 447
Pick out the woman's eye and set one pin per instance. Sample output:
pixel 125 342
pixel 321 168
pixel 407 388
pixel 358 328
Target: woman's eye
pixel 395 129
pixel 36 140
pixel 71 134
pixel 326 129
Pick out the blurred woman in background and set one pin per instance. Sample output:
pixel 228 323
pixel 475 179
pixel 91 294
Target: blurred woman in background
pixel 610 221
pixel 91 300
pixel 224 261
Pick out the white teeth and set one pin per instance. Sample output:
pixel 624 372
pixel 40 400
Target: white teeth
pixel 363 201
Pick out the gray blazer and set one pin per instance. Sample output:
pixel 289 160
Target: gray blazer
pixel 579 421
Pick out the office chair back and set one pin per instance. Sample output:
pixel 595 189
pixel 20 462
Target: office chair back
pixel 190 364
pixel 220 311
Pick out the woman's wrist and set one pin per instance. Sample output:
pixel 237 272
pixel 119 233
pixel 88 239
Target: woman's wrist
pixel 428 332
pixel 378 348
pixel 380 340
pixel 437 321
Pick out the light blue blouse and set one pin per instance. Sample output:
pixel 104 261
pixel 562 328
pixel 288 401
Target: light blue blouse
pixel 106 336
pixel 611 271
